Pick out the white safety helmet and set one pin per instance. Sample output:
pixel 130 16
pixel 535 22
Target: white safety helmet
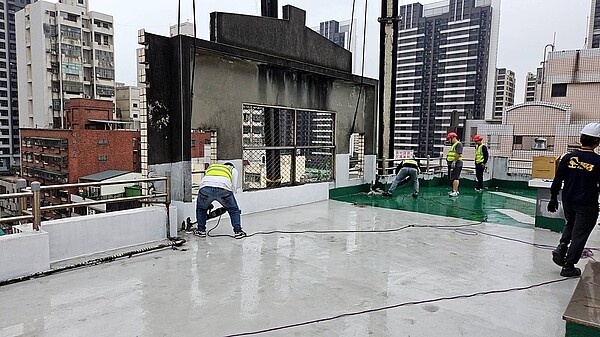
pixel 592 129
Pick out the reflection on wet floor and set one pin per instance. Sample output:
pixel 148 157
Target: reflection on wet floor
pixel 514 207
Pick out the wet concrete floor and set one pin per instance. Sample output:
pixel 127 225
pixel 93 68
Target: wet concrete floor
pixel 218 286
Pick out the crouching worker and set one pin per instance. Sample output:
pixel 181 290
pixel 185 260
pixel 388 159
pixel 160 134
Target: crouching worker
pixel 219 184
pixel 580 172
pixel 407 170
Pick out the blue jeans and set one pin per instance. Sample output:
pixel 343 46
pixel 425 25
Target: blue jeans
pixel 207 195
pixel 403 173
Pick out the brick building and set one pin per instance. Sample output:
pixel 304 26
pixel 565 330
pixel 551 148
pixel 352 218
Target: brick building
pixel 199 140
pixel 93 143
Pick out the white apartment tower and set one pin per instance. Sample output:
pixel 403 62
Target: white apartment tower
pixel 64 51
pixel 505 91
pixel 530 86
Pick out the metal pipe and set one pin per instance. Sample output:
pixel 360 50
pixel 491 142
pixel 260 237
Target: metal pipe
pixel 544 70
pixel 16 218
pixel 99 202
pixel 37 212
pixel 119 182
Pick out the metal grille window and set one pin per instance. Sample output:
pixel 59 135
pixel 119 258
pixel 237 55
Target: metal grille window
pixel 70 32
pixel 105 73
pixel 284 147
pixel 104 90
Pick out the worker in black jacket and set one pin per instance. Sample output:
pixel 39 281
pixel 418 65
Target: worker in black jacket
pixel 580 172
pixel 407 169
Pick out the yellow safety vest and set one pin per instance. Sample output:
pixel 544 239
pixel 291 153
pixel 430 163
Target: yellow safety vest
pixel 479 154
pixel 219 170
pixel 452 153
pixel 414 162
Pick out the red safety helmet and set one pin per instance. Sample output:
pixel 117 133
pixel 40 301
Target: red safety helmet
pixel 477 138
pixel 451 135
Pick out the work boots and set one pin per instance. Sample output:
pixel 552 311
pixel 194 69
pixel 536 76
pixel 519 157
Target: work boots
pixel 558 254
pixel 569 270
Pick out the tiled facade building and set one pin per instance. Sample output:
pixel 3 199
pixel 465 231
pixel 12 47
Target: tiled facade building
pixel 446 64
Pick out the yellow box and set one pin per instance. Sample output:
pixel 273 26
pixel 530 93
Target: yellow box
pixel 543 167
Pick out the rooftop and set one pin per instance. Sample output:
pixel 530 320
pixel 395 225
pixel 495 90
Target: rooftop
pixel 360 270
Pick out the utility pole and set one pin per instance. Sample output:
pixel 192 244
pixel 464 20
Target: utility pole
pixel 387 88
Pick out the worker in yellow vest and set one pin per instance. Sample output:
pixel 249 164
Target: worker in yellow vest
pixel 455 164
pixel 481 159
pixel 407 170
pixel 219 184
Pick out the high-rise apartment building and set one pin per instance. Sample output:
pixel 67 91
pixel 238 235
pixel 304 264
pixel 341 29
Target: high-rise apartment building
pixel 505 91
pixel 9 111
pixel 64 51
pixel 446 65
pixel 593 38
pixel 530 85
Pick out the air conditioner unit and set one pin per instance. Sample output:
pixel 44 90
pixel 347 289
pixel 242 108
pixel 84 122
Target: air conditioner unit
pixel 539 143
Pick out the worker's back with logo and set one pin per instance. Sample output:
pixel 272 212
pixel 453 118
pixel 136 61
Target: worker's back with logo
pixel 580 171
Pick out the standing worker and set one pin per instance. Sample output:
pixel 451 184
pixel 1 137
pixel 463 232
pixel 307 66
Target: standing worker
pixel 481 159
pixel 580 172
pixel 407 169
pixel 455 163
pixel 219 184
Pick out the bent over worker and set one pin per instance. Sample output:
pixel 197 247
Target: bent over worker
pixel 219 184
pixel 407 169
pixel 580 172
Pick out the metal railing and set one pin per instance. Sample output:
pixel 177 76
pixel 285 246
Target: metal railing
pixel 33 195
pixel 438 165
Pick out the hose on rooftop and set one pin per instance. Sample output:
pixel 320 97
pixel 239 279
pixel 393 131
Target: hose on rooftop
pixel 172 244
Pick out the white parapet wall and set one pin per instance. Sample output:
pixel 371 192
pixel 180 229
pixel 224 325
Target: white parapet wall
pixel 81 236
pixel 264 200
pixel 23 254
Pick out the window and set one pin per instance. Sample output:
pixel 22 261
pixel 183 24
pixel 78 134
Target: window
pixel 102 141
pixel 103 157
pixel 559 90
pixel 135 105
pixel 518 140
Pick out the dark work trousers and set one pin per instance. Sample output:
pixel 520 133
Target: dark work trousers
pixel 479 168
pixel 580 223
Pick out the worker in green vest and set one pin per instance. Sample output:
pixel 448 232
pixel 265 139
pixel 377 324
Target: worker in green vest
pixel 219 184
pixel 454 160
pixel 407 170
pixel 481 159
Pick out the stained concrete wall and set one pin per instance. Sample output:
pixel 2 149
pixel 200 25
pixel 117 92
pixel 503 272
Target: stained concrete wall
pixel 193 83
pixel 224 84
pixel 289 38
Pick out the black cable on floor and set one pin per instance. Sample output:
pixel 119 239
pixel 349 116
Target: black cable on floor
pixel 403 304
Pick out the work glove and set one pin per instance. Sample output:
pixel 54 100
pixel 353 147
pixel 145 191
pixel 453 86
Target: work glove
pixel 553 204
pixel 452 165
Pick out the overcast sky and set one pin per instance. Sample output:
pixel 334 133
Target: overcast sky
pixel 526 26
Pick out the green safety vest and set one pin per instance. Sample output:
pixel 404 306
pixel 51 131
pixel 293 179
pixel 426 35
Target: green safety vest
pixel 479 154
pixel 452 153
pixel 219 170
pixel 414 162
